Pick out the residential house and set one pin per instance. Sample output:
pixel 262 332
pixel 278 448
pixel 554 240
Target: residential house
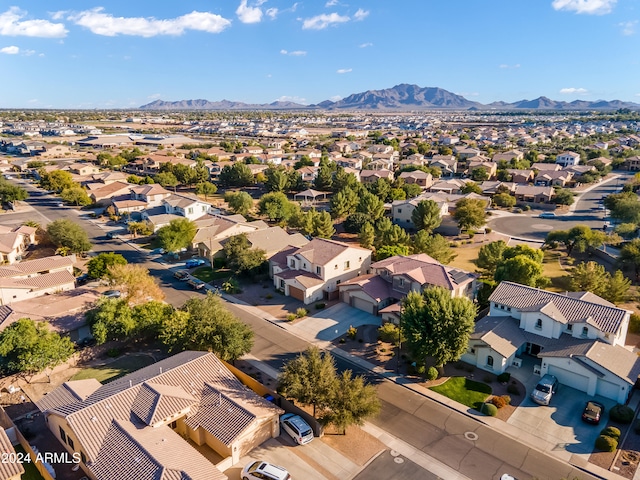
pixel 491 187
pixel 545 167
pixel 102 195
pixel 604 161
pixel 185 206
pixel 632 163
pixel 447 164
pixel 272 239
pixel 414 159
pixel 152 195
pixel 380 164
pixel 109 177
pixel 579 170
pixel 308 173
pixel 508 156
pixel 10 468
pixel 451 186
pixel 393 278
pixel 533 194
pixel 213 229
pixel 425 180
pixel 349 162
pixel 371 176
pixel 576 336
pixel 521 176
pixel 553 178
pixel 14 242
pixel 34 278
pixel 84 168
pixel 490 167
pixel 464 153
pixel 402 210
pixel 145 423
pixel 313 272
pixel 566 159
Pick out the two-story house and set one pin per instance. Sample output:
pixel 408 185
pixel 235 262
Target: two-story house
pixel 185 206
pixel 313 272
pixel 423 179
pixel 577 336
pixel 402 210
pixel 393 278
pixel 566 159
pixel 14 241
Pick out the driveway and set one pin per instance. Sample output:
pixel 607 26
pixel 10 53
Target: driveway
pixel 560 423
pixel 333 322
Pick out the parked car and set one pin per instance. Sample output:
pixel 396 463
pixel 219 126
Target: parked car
pixel 264 471
pixel 112 294
pixel 547 215
pixel 181 275
pixel 82 279
pixel 592 412
pixel 297 428
pixel 546 387
pixel 194 262
pixel 196 284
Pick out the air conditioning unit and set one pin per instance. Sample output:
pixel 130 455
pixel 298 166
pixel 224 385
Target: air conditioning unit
pixel 536 369
pixel 517 362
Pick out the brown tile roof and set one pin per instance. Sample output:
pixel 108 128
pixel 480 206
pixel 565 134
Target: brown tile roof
pixel 39 282
pixel 69 392
pixel 153 189
pixel 36 266
pixel 320 251
pixel 373 285
pixel 8 469
pixel 306 279
pixel 109 190
pixel 425 270
pixel 156 402
pixel 575 310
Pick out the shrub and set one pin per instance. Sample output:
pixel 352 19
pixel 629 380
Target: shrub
pixel 513 389
pixel 489 409
pixel 471 233
pixel 301 312
pixel 389 333
pixel 634 323
pixel 606 444
pixel 621 414
pixel 612 432
pixel 320 306
pixel 488 230
pixel 291 316
pixel 504 377
pixel 420 369
pixel 507 399
pixel 432 373
pixel 498 402
pixel 352 332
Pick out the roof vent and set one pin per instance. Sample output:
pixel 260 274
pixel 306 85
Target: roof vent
pixel 94 419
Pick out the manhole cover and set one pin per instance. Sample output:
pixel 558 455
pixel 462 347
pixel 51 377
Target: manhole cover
pixel 394 453
pixel 471 436
pixel 398 460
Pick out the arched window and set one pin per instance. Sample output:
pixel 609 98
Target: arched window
pixel 539 324
pixel 585 331
pixel 490 361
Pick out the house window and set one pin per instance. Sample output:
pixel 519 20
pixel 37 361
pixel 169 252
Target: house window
pixel 338 282
pixel 70 442
pixel 585 331
pixel 508 309
pixel 292 263
pixel 173 424
pixel 304 265
pixel 83 457
pixel 539 324
pixel 318 270
pixel 490 361
pixel 569 327
pixel 399 210
pixel 281 283
pixel 401 281
pixel 347 264
pixel 190 210
pixel 63 435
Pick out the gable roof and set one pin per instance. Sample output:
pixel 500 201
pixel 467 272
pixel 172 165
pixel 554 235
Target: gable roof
pixel 320 251
pixel 36 266
pixel 8 468
pixel 425 270
pixel 607 318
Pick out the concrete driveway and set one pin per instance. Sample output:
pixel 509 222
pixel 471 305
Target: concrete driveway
pixel 560 423
pixel 333 322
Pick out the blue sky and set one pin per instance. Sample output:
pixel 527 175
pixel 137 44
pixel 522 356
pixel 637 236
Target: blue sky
pixel 123 54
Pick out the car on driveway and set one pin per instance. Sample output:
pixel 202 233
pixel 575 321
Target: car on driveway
pixel 546 387
pixel 194 262
pixel 196 284
pixel 547 215
pixel 181 275
pixel 264 471
pixel 592 412
pixel 297 428
pixel 112 294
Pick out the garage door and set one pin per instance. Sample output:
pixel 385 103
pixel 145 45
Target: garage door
pixel 571 379
pixel 296 293
pixel 607 389
pixel 363 305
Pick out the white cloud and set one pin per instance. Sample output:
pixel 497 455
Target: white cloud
pixel 335 98
pixel 12 50
pixel 106 24
pixel 365 45
pixel 344 70
pixel 574 91
pixel 320 22
pixel 590 7
pixel 628 28
pixel 272 13
pixel 249 14
pixel 12 25
pixel 154 96
pixel 286 98
pixel 331 3
pixel 361 14
pixel 509 67
pixel 295 53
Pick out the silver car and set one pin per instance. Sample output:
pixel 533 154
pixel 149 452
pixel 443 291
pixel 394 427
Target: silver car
pixel 546 387
pixel 297 428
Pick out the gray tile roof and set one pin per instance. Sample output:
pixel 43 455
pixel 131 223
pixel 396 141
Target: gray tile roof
pixel 575 310
pixel 8 469
pixel 36 266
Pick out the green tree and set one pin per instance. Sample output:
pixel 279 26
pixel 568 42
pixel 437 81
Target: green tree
pixel 520 269
pixel 343 180
pixel 184 174
pixel 323 225
pixel 470 213
pixel 471 187
pixel 177 235
pixel 135 282
pixel 310 379
pixel 618 288
pixel 579 238
pixel 241 257
pixel 624 206
pixel 480 174
pixel 426 216
pixel 239 202
pixel 630 256
pixel 352 402
pixel 30 347
pixel 236 175
pixel 381 188
pixel 371 206
pixel 343 202
pixel 56 180
pixel 394 235
pixel 589 277
pixel 324 179
pixel 277 206
pixel 354 222
pixel 490 256
pixel 387 251
pixel 68 235
pixel 504 200
pixel 166 179
pixel 367 235
pixel 149 317
pixel 76 195
pixel 563 196
pixel 206 188
pixel 12 193
pixel 98 266
pixel 436 246
pixel 111 319
pixel 143 228
pixel 411 190
pixel 277 179
pixel 437 325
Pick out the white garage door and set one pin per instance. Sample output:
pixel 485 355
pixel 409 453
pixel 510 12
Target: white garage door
pixel 607 389
pixel 363 305
pixel 571 379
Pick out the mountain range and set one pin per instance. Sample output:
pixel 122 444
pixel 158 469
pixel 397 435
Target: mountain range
pixel 403 97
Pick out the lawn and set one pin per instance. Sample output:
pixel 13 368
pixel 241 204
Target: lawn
pixel 464 391
pixel 552 269
pixel 116 369
pixel 465 257
pixel 30 470
pixel 207 274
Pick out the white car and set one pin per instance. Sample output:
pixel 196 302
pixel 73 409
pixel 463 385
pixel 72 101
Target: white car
pixel 264 471
pixel 547 215
pixel 297 428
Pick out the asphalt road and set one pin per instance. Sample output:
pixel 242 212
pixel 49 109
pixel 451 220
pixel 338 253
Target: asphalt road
pixel 587 211
pixel 423 423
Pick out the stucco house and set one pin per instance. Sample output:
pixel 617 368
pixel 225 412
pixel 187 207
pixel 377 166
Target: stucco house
pixel 533 194
pixel 393 278
pixel 140 423
pixel 566 159
pixel 313 272
pixel 14 241
pixel 423 179
pixel 372 176
pixel 402 210
pixel 577 336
